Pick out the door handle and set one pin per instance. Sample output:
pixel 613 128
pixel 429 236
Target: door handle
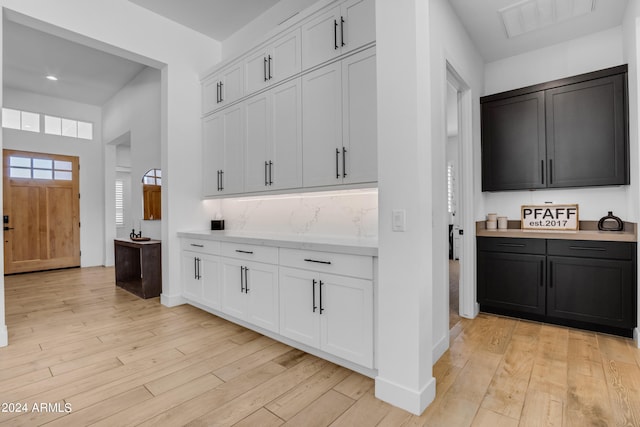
pixel 342 30
pixel 344 162
pixel 337 167
pixel 270 76
pixel 8 228
pixel 264 69
pixel 320 294
pixel 242 279
pixel 246 281
pixel 270 172
pixel 313 295
pixel 266 165
pixel 335 34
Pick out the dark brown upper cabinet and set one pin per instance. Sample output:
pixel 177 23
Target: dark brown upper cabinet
pixel 571 132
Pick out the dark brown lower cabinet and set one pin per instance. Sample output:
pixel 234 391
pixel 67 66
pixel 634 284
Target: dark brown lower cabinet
pixel 584 284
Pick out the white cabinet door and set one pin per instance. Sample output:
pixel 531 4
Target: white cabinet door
pixel 347 318
pixel 285 57
pixel 210 278
pixel 258 139
pixel 359 26
pixel 191 283
pixel 299 309
pixel 233 299
pixel 273 63
pixel 285 167
pixel 232 84
pixel 212 153
pixel 261 293
pixel 322 126
pixel 337 31
pixel 232 177
pixel 359 105
pixel 222 88
pixel 320 38
pixel 256 70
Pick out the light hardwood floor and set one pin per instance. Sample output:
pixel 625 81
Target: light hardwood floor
pixel 118 360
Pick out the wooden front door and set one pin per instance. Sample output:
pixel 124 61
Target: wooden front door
pixel 41 211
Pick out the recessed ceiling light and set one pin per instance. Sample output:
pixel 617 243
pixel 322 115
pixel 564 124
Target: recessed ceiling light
pixel 52 77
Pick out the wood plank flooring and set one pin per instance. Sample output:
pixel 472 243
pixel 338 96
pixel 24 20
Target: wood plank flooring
pixel 116 360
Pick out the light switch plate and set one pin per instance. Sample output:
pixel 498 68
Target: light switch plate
pixel 399 219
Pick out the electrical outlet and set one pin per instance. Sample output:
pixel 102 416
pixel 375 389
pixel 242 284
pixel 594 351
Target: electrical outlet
pixel 399 219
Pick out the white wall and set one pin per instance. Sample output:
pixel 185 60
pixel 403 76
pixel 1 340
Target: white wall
pixel 89 152
pixel 450 43
pixel 582 55
pixel 631 44
pixel 124 28
pixel 135 111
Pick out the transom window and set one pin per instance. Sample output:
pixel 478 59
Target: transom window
pixel 24 120
pixel 38 168
pixel 152 177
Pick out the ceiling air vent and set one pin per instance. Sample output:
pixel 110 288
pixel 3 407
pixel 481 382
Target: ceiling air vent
pixel 530 15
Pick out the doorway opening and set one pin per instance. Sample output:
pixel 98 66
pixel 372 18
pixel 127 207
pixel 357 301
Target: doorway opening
pixel 459 204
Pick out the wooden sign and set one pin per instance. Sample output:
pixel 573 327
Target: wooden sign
pixel 549 217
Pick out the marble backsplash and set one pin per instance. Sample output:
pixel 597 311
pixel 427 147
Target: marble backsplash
pixel 352 213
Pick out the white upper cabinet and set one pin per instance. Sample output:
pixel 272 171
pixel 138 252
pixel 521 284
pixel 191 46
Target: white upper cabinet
pixel 223 152
pixel 273 63
pixel 274 139
pixel 338 31
pixel 339 122
pixel 222 88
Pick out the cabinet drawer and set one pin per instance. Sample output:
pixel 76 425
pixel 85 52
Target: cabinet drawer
pixel 203 246
pixel 326 262
pixel 591 249
pixel 267 254
pixel 512 245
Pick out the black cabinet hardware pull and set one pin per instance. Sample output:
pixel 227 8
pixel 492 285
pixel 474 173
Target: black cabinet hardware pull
pixel 218 93
pixel 199 276
pixel 197 246
pixel 337 171
pixel 266 165
pixel 264 69
pixel 218 173
pixel 320 293
pixel 195 268
pixel 512 245
pixel 344 162
pixel 342 30
pixel 542 170
pixel 246 281
pixel 244 252
pixel 270 76
pixel 242 279
pixel 550 171
pixel 221 97
pixel 270 172
pixel 221 180
pixel 316 261
pixel 313 294
pixel 335 34
pixel 587 248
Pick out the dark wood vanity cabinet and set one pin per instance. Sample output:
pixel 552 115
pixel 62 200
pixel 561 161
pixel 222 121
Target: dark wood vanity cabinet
pixel 584 284
pixel 571 132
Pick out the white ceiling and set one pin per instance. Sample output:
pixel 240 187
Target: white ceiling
pixel 217 19
pixel 93 76
pixel 482 20
pixel 84 74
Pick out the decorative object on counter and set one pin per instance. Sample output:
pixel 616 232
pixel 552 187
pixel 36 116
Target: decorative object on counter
pixel 138 237
pixel 610 223
pixel 549 217
pixel 502 222
pixel 492 221
pixel 217 224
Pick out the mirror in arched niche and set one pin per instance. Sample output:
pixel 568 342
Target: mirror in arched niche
pixel 151 194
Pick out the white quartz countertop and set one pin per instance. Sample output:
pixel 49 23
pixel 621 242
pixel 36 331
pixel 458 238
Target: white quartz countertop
pixel 337 244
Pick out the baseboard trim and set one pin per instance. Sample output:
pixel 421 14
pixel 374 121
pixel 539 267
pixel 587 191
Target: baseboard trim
pixel 4 336
pixel 171 300
pixel 441 347
pixel 414 401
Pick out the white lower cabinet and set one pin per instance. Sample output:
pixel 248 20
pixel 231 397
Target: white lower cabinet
pixel 250 292
pixel 201 278
pixel 330 312
pixel 321 300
